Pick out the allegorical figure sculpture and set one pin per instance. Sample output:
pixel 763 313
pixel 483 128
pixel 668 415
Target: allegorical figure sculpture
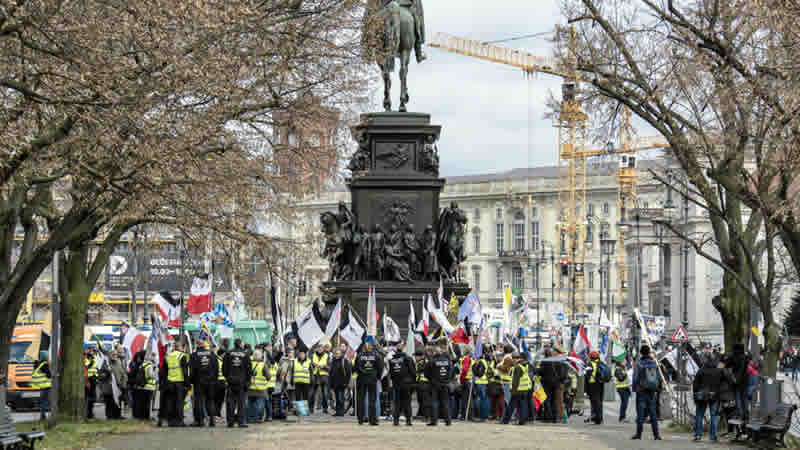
pixel 411 247
pixel 397 266
pixel 430 266
pixel 377 251
pixel 393 29
pixel 450 246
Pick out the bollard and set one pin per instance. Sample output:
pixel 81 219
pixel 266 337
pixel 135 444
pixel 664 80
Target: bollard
pixel 770 394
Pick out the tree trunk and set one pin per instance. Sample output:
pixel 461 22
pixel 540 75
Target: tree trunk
pixel 7 320
pixel 71 398
pixel 734 306
pixel 772 347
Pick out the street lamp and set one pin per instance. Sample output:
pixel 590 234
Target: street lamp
pixel 606 249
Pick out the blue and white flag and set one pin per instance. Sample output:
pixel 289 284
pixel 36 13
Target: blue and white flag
pixel 469 304
pixel 218 315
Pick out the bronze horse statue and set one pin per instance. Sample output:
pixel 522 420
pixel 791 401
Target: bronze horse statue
pixel 397 29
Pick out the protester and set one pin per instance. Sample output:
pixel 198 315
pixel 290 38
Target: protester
pixel 595 387
pixel 90 362
pixel 301 376
pixel 257 391
pixel 706 387
pixel 423 387
pixel 42 380
pixel 646 383
pixel 220 386
pixel 320 365
pixel 521 385
pixel 138 383
pixel 496 387
pixel 340 373
pixel 480 379
pixel 175 379
pixel 738 364
pixel 622 379
pixel 465 377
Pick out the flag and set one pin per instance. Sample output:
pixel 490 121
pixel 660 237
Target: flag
pixel 452 310
pixel 277 317
pixel 133 342
pixel 603 346
pixel 459 336
pixel 467 306
pixel 431 305
pixel 352 332
pixel 334 321
pixel 441 319
pixel 410 341
pixel 391 332
pixel 308 329
pixel 158 338
pixel 219 315
pixel 604 322
pixel 506 329
pixel 424 319
pixel 372 316
pixel 205 334
pixel 476 315
pixel 200 295
pixel 539 395
pixel 168 308
pixel 618 352
pixel 478 352
pixel 581 347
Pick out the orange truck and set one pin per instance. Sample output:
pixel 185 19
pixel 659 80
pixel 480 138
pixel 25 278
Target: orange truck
pixel 26 342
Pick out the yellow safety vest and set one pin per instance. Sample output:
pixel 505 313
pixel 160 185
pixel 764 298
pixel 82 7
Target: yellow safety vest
pixel 301 372
pixel 150 382
pixel 39 379
pixel 174 370
pixel 220 376
pixel 91 366
pixel 259 382
pixel 273 374
pixel 524 381
pixel 483 379
pixel 624 383
pixel 594 372
pixel 322 364
pixel 421 371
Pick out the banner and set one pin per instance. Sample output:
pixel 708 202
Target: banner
pixel 200 295
pixel 391 332
pixel 654 326
pixel 352 332
pixel 308 328
pixel 372 316
pixel 335 320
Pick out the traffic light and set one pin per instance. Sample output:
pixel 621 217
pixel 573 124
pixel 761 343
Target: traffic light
pixel 564 267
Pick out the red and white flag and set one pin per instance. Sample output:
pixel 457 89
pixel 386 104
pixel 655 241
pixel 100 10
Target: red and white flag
pixel 581 347
pixel 170 314
pixel 134 341
pixel 200 296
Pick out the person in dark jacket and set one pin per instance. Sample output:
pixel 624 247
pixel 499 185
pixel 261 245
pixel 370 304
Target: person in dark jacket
pixel 439 372
pixel 706 387
pixel 339 379
pixel 521 385
pixel 646 395
pixel 738 365
pixel 369 367
pixel 594 388
pixel 204 368
pixel 42 379
pixel 404 374
pixel 237 369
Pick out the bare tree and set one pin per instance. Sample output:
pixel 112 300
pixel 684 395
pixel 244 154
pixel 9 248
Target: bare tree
pixel 117 114
pixel 714 78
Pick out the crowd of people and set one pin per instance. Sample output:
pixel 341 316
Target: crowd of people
pixel 449 382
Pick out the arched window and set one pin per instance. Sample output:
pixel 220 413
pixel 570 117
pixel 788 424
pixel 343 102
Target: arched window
pixel 476 278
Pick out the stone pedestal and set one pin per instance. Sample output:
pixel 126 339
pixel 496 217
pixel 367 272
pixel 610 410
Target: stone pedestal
pixel 395 185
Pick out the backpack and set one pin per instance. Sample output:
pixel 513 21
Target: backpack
pixel 649 379
pixel 139 379
pixel 603 374
pixel 478 369
pixel 620 374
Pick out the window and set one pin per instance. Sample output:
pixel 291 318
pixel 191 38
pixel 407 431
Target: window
pixel 518 281
pixel 292 139
pixel 499 278
pixel 499 236
pixel 604 233
pixel 477 214
pixel 604 284
pixel 591 209
pixel 646 205
pixel 591 280
pixel 589 309
pixel 476 278
pixel 533 211
pixel 314 140
pixel 476 240
pixel 589 234
pixel 519 232
pixel 535 236
pixel 563 242
pixel 606 210
pixel 499 213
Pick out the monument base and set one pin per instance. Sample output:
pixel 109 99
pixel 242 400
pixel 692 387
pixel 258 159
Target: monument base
pixel 391 297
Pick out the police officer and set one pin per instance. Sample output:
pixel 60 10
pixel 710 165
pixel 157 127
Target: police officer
pixel 404 374
pixel 439 371
pixel 175 373
pixel 221 385
pixel 237 368
pixel 91 370
pixel 42 379
pixel 369 366
pixel 204 369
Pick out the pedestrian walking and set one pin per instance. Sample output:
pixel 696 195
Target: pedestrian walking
pixel 646 384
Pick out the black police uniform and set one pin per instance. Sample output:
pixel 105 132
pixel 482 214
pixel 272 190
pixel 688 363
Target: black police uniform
pixel 369 366
pixel 404 374
pixel 237 369
pixel 204 370
pixel 439 372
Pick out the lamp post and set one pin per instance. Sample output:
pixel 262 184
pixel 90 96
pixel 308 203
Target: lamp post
pixel 182 278
pixel 607 249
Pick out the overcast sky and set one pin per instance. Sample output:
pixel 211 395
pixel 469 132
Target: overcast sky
pixel 487 110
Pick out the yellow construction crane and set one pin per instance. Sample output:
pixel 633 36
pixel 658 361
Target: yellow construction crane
pixel 572 153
